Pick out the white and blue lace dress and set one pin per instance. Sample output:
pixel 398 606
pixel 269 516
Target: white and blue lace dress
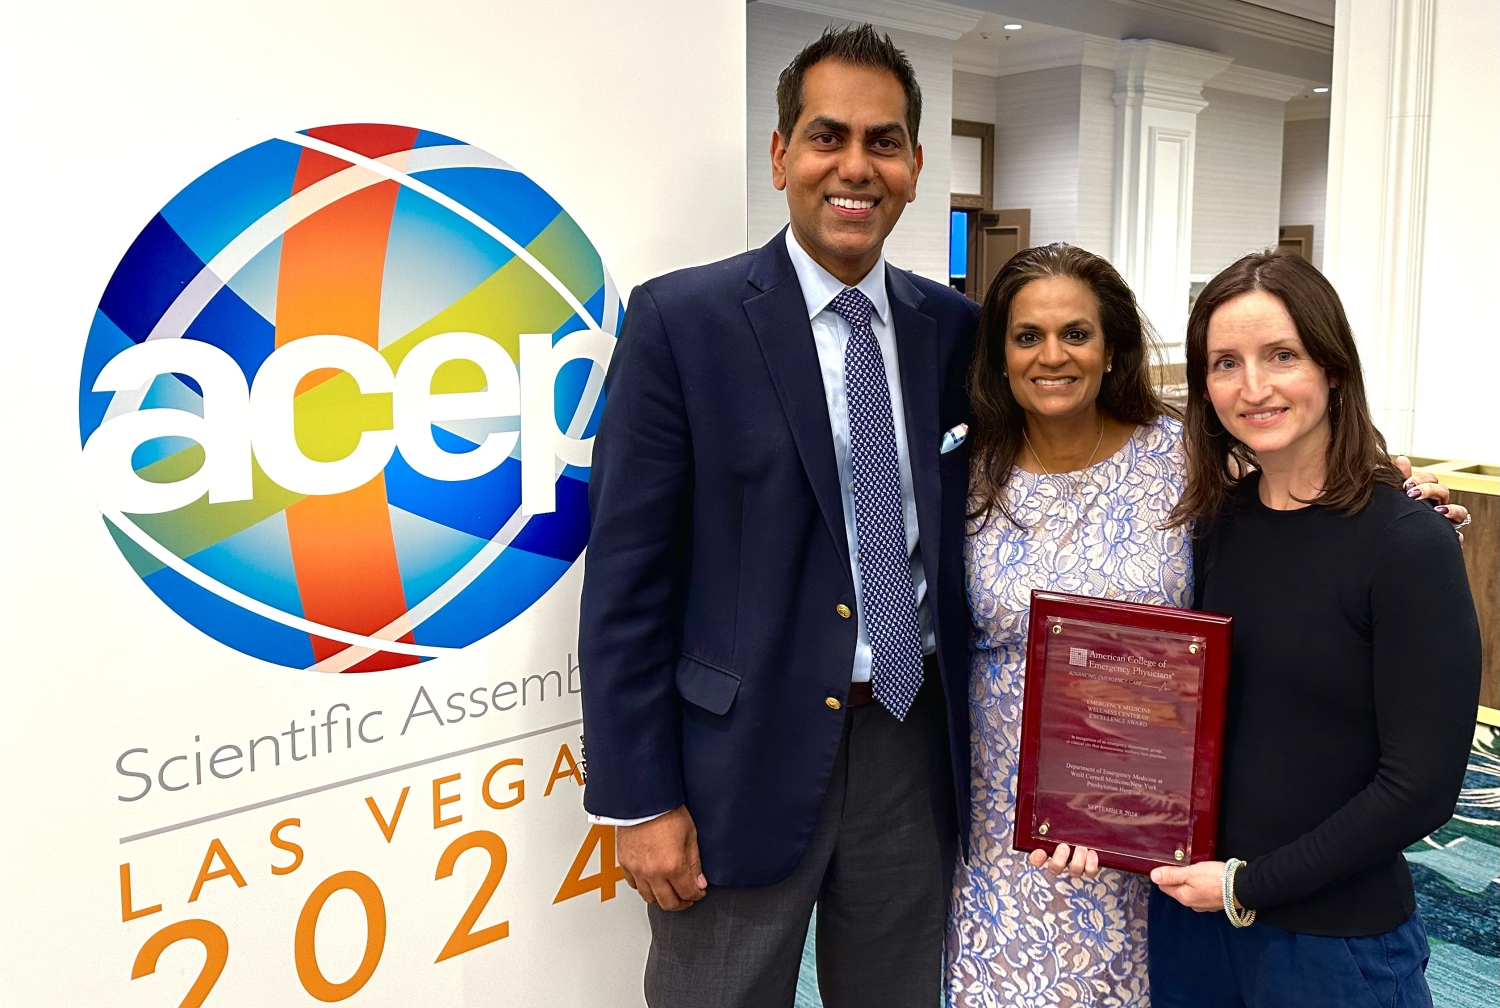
pixel 1018 937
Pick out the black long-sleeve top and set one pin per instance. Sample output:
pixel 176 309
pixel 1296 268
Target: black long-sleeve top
pixel 1354 680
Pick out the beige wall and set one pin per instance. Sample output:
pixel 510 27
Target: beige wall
pixel 973 97
pixel 1054 148
pixel 1046 146
pixel 1237 181
pixel 1304 178
pixel 1055 145
pixel 1096 160
pixel 1036 150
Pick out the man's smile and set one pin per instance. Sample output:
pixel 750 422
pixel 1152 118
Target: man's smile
pixel 852 207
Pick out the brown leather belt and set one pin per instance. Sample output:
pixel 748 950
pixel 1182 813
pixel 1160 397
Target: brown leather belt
pixel 861 693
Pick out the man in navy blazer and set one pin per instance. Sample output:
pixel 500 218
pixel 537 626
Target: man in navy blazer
pixel 774 631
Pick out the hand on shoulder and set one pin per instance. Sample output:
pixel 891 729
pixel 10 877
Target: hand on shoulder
pixel 1423 485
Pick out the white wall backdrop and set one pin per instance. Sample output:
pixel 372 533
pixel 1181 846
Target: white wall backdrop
pixel 632 117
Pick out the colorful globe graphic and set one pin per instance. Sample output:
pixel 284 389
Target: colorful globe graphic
pixel 376 240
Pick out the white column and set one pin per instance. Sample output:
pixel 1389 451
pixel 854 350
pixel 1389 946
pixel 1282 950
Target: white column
pixel 1403 213
pixel 1158 94
pixel 1377 192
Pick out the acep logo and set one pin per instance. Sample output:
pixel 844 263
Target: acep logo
pixel 338 399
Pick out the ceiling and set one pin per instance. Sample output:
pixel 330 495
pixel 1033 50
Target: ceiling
pixel 1320 11
pixel 1291 37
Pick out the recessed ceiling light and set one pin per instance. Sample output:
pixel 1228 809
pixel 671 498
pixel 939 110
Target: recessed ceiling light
pixel 1320 90
pixel 1012 27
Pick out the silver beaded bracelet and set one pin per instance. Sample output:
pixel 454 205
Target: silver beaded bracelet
pixel 1226 885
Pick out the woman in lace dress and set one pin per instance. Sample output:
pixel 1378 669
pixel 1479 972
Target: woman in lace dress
pixel 1075 466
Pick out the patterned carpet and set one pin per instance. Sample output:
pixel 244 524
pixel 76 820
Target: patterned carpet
pixel 1457 874
pixel 1455 870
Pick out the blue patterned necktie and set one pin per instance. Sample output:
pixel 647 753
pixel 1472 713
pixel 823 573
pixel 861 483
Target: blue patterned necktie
pixel 890 601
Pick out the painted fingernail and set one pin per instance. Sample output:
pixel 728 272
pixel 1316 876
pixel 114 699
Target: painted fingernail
pixel 1414 492
pixel 1441 509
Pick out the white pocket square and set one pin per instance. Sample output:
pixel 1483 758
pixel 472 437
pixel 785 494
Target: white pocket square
pixel 954 438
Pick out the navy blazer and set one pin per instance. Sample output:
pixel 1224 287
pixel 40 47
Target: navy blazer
pixel 710 638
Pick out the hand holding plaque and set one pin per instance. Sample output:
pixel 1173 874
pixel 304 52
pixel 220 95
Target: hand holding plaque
pixel 1122 730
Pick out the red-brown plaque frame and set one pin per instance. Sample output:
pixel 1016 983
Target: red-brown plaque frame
pixel 1208 739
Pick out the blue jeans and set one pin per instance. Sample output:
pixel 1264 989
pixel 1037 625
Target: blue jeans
pixel 1199 960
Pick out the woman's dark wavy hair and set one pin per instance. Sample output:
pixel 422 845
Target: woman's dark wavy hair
pixel 1126 394
pixel 1357 458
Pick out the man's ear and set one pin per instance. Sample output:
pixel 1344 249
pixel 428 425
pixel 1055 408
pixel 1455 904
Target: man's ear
pixel 915 171
pixel 778 160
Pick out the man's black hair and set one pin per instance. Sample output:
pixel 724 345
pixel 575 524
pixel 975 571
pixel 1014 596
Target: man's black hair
pixel 860 45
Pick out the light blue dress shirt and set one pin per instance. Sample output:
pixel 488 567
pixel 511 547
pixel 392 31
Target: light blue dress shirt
pixel 830 336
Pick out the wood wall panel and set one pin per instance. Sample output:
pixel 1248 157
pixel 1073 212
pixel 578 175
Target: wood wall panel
pixel 1482 559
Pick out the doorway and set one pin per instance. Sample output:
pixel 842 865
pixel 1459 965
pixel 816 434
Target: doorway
pixel 981 239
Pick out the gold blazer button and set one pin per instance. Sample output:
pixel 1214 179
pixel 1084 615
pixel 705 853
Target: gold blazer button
pixel 833 703
pixel 843 610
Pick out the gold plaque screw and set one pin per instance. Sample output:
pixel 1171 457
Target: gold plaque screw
pixel 1192 649
pixel 1179 854
pixel 1042 829
pixel 1057 628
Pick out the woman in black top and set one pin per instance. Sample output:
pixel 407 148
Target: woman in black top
pixel 1354 674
